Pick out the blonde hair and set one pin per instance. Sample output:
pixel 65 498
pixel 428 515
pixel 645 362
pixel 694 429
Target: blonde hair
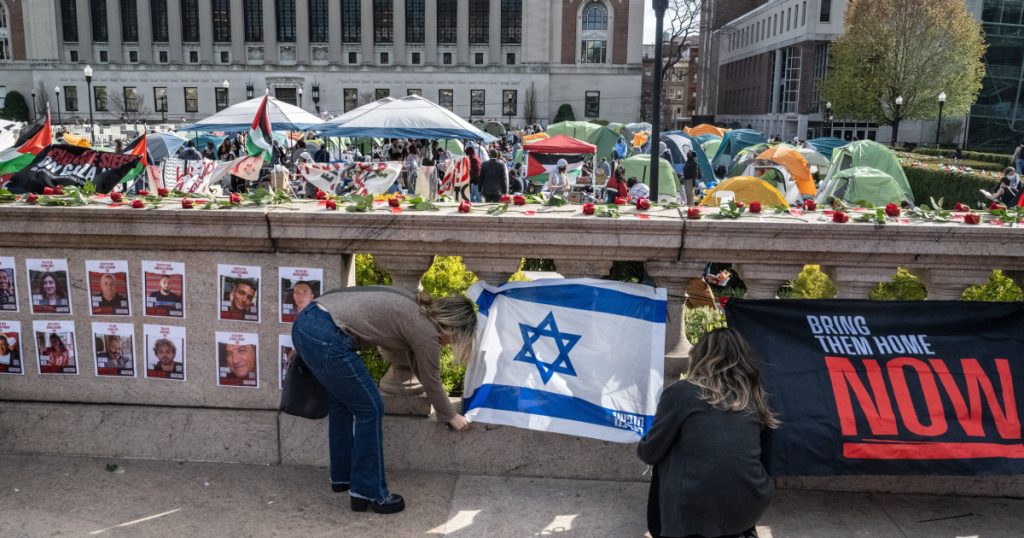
pixel 726 370
pixel 456 316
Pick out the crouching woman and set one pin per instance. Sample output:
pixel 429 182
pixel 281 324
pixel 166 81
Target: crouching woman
pixel 705 445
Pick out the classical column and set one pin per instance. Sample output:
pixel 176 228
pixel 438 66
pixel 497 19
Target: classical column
pixel 430 43
pixel 269 32
pixel 674 277
pixel 84 31
pixel 174 51
pixel 947 284
pixel 462 42
pixel 302 32
pixel 398 33
pixel 334 32
pixel 366 29
pixel 857 281
pixel 206 32
pixel 145 33
pixel 763 279
pixel 494 32
pixel 494 271
pixel 115 50
pixel 237 33
pixel 403 393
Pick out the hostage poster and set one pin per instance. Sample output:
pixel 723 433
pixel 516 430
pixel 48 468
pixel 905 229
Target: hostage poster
pixel 10 347
pixel 73 166
pixel 872 387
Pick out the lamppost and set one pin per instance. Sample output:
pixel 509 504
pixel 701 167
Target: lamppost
pixel 300 97
pixel 938 129
pixel 896 121
pixel 88 83
pixel 659 12
pixel 56 89
pixel 34 113
pixel 509 111
pixel 250 91
pixel 828 116
pixel 316 97
pixel 227 90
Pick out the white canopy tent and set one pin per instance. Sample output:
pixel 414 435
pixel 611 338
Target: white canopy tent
pixel 283 117
pixel 408 117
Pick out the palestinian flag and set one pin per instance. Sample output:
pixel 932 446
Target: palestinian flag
pixel 136 147
pixel 32 140
pixel 261 141
pixel 539 164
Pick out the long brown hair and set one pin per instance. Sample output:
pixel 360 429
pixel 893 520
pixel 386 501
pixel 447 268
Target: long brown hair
pixel 726 370
pixel 455 315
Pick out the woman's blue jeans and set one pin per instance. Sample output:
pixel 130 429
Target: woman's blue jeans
pixel 356 408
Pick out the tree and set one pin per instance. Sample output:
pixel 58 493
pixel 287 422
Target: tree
pixel 42 100
pixel 530 106
pixel 914 49
pixel 681 27
pixel 365 98
pixel 131 111
pixel 565 113
pixel 15 108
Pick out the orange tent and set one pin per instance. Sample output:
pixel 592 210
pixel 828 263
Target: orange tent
pixel 640 138
pixel 704 129
pixel 794 163
pixel 536 136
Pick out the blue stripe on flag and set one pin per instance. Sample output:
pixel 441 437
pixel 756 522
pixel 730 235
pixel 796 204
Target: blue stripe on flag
pixel 582 297
pixel 550 404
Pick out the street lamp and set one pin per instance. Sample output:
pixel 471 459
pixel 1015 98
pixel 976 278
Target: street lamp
pixel 56 89
pixel 828 116
pixel 660 6
pixel 938 129
pixel 896 121
pixel 316 97
pixel 250 92
pixel 34 105
pixel 88 83
pixel 300 97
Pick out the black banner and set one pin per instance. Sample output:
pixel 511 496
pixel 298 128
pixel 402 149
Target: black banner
pixel 870 387
pixel 73 166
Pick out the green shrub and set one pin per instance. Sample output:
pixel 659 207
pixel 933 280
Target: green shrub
pixel 453 374
pixel 375 363
pixel 15 108
pixel 537 264
pixel 564 113
pixel 999 288
pixel 995 158
pixel 903 287
pixel 447 275
pixel 368 273
pixel 603 123
pixel 626 272
pixel 701 320
pixel 948 186
pixel 811 283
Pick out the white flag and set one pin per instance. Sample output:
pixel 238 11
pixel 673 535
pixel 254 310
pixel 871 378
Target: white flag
pixel 580 357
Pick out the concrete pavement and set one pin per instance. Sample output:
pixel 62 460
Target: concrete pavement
pixel 77 496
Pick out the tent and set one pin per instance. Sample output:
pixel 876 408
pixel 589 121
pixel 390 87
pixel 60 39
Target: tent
pixel 868 153
pixel 598 135
pixel 238 118
pixel 705 128
pixel 826 145
pixel 535 137
pixel 746 189
pixel 543 155
pixel 159 146
pixel 711 146
pixel 733 142
pixel 81 141
pixel 411 116
pixel 616 127
pixel 863 184
pixel 454 146
pixel 744 158
pixel 794 163
pixel 639 166
pixel 680 145
pixel 814 158
pixel 495 128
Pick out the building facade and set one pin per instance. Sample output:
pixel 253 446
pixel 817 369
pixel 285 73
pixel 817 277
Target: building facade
pixel 996 122
pixel 181 60
pixel 679 90
pixel 714 15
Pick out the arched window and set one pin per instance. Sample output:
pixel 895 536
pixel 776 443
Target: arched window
pixel 594 33
pixel 595 17
pixel 5 34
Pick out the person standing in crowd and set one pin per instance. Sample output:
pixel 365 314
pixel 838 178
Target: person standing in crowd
pixel 691 174
pixel 516 181
pixel 494 178
pixel 328 335
pixel 224 151
pixel 410 168
pixel 620 149
pixel 190 153
pixel 210 153
pixel 705 445
pixel 637 190
pixel 322 155
pixel 475 166
pixel 1018 158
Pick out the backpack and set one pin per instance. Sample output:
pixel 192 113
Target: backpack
pixel 1010 194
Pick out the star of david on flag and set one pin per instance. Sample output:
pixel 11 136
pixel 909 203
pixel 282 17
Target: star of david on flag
pixel 580 357
pixel 563 341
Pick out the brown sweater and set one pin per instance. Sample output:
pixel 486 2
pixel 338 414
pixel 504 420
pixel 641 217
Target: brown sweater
pixel 389 318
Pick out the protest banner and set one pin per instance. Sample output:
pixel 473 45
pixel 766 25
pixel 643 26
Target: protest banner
pixel 73 166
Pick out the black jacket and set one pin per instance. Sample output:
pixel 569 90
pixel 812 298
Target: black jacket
pixel 492 178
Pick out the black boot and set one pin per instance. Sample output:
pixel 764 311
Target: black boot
pixel 392 505
pixel 338 488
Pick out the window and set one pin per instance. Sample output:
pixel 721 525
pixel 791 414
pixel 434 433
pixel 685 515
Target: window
pixel 222 21
pixel 71 98
pixel 477 103
pixel 478 58
pixel 193 56
pixel 790 79
pixel 100 101
pixel 803 14
pixel 69 20
pixel 352 58
pixel 191 99
pixel 595 17
pixel 221 98
pixel 826 11
pixel 594 42
pixel 133 56
pixel 512 21
pixel 446 58
pixel 446 98
pixel 351 98
pixel 447 22
pixel 285 12
pixel 415 21
pixel 131 99
pixel 593 51
pixel 129 21
pixel 592 105
pixel 821 53
pixel 225 57
pixel 160 99
pixel 190 21
pixel 163 56
pixel 385 58
pixel 383 21
pixel 158 16
pixel 253 20
pixel 415 58
pixel 479 21
pixel 414 92
pixel 5 43
pixel 351 21
pixel 318 21
pixel 73 54
pixel 510 58
pixel 103 56
pixel 381 93
pixel 509 103
pixel 99 21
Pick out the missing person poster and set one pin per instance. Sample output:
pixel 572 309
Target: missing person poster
pixel 285 352
pixel 51 291
pixel 114 349
pixel 163 289
pixel 297 287
pixel 108 287
pixel 10 348
pixel 8 285
pixel 239 292
pixel 238 359
pixel 164 349
pixel 55 347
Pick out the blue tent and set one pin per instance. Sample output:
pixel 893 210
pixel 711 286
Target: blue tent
pixel 735 141
pixel 826 144
pixel 679 143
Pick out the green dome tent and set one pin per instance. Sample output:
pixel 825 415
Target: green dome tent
pixel 868 153
pixel 743 159
pixel 863 184
pixel 734 142
pixel 639 166
pixel 598 135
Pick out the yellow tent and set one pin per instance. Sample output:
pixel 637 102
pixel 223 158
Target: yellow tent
pixel 746 189
pixel 79 141
pixel 794 163
pixel 704 129
pixel 535 137
pixel 640 138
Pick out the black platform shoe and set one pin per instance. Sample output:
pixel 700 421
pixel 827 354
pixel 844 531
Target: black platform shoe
pixel 392 505
pixel 338 488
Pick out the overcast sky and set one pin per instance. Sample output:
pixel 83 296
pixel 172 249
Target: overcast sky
pixel 648 22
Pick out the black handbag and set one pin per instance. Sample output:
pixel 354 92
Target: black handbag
pixel 303 395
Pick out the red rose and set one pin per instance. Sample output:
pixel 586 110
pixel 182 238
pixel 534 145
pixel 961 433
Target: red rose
pixel 331 204
pixel 996 205
pixel 186 203
pixel 519 200
pixel 143 193
pixel 840 217
pixel 755 207
pixel 643 204
pixel 32 198
pixel 49 191
pixel 693 213
pixel 588 209
pixel 740 205
pixel 810 204
pixel 961 207
pixel 506 199
pixel 892 210
pixel 138 204
pixel 116 197
pixel 620 200
pixel 59 189
pixel 162 192
pixel 235 198
pixel 394 202
pixel 465 206
pixel 321 195
pixel 972 218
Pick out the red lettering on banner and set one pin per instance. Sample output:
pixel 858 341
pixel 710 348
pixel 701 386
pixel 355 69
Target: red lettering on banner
pixel 905 402
pixel 876 405
pixel 969 414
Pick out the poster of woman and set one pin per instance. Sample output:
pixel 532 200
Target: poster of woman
pixel 10 348
pixel 8 285
pixel 55 347
pixel 51 291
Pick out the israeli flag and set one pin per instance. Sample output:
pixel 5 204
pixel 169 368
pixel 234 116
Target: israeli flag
pixel 580 356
